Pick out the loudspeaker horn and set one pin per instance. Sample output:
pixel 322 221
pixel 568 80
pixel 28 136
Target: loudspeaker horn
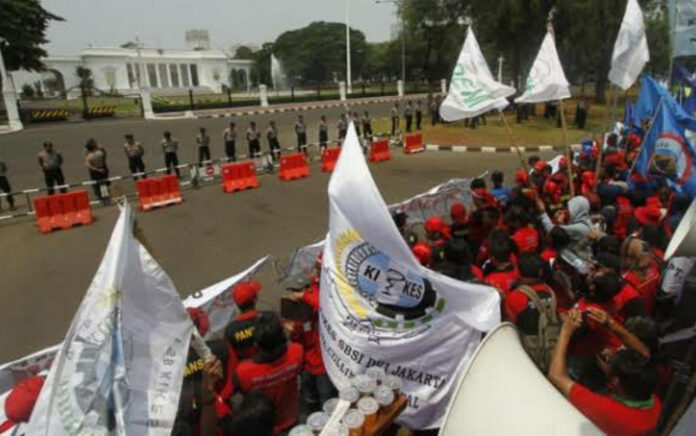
pixel 683 242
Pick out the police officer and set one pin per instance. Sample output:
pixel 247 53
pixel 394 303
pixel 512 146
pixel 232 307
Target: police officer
pixel 253 140
pixel 435 111
pixel 367 125
pixel 323 133
pixel 395 119
pixel 229 138
pixel 408 114
pixel 419 114
pixel 170 146
pixel 50 162
pixel 203 141
pixel 273 144
pixel 342 126
pixel 356 122
pixel 134 152
pixel 301 132
pixel 5 185
pixel 95 161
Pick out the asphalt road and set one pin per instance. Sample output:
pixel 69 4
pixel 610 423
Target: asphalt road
pixel 208 238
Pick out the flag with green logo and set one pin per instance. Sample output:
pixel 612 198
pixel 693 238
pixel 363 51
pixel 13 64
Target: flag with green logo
pixel 546 81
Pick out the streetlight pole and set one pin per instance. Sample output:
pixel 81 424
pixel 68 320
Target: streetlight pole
pixel 143 85
pixel 9 95
pixel 500 68
pixel 349 81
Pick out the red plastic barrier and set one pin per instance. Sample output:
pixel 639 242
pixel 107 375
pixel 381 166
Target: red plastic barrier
pixel 239 176
pixel 379 151
pixel 413 143
pixel 62 211
pixel 293 166
pixel 158 192
pixel 329 158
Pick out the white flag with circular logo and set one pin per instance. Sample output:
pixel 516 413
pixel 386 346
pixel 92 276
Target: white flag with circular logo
pixel 380 307
pixel 630 49
pixel 473 90
pixel 546 80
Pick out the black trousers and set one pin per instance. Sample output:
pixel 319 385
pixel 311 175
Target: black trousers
pixel 5 187
pixel 274 145
pixel 171 160
pixel 203 154
pixel 395 125
pixel 54 177
pixel 136 165
pixel 323 139
pixel 254 148
pixel 419 120
pixel 301 141
pixel 231 150
pixel 101 179
pixel 367 131
pixel 409 122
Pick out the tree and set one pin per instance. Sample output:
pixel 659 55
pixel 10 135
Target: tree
pixel 243 52
pixel 86 86
pixel 24 24
pixel 261 70
pixel 317 52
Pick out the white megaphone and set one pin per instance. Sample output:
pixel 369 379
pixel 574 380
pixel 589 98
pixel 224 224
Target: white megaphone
pixel 683 242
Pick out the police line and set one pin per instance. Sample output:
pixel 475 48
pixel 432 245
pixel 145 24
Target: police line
pixel 263 161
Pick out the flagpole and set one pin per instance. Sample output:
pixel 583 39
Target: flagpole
pixel 569 153
pixel 513 143
pixel 673 45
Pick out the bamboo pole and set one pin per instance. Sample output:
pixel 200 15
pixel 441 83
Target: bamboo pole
pixel 569 152
pixel 513 143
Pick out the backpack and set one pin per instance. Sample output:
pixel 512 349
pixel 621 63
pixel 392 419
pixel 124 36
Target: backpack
pixel 540 346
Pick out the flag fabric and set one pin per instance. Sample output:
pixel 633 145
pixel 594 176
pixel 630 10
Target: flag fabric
pixel 682 76
pixel 546 80
pixel 630 49
pixel 689 104
pixel 682 23
pixel 628 113
pixel 651 94
pixel 666 155
pixel 120 368
pixel 380 307
pixel 473 90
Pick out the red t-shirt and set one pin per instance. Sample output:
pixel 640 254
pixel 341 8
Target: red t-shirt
pixel 501 279
pixel 278 380
pixel 313 362
pixel 591 339
pixel 614 417
pixel 647 282
pixel 621 303
pixel 526 239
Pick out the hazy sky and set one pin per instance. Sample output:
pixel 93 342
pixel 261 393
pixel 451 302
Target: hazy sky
pixel 162 23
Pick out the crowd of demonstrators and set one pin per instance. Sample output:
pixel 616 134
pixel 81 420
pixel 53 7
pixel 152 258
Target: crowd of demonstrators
pixel 578 262
pixel 267 372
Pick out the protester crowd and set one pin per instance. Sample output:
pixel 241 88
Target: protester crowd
pixel 50 159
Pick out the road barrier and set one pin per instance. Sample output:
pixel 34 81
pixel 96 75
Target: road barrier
pixel 239 176
pixel 100 112
pixel 413 143
pixel 379 151
pixel 293 166
pixel 158 192
pixel 62 211
pixel 329 157
pixel 45 115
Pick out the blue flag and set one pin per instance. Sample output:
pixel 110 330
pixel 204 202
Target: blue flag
pixel 628 114
pixel 651 93
pixel 682 76
pixel 666 155
pixel 689 104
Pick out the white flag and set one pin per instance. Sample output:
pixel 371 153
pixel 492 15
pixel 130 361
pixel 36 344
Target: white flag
pixel 630 49
pixel 380 307
pixel 546 81
pixel 473 90
pixel 120 368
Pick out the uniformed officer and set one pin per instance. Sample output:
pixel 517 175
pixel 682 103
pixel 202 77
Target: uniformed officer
pixel 273 144
pixel 323 133
pixel 203 141
pixel 301 132
pixel 419 114
pixel 395 119
pixel 367 125
pixel 356 122
pixel 229 138
pixel 253 139
pixel 342 126
pixel 408 114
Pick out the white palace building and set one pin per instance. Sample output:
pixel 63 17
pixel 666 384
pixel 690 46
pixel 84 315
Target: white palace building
pixel 168 72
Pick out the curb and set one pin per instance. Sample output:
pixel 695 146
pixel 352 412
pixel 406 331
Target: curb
pixel 506 149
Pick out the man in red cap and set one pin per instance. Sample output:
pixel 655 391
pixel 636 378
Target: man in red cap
pixel 460 221
pixel 437 231
pixel 240 333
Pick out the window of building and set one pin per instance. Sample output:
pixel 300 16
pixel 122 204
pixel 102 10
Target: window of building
pixel 164 77
pixel 194 74
pixel 174 70
pixel 184 75
pixel 131 75
pixel 152 75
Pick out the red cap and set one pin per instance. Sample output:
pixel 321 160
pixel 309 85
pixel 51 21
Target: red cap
pixel 647 215
pixel 563 162
pixel 20 402
pixel 540 166
pixel 485 198
pixel 550 187
pixel 435 224
pixel 245 292
pixel 423 253
pixel 200 319
pixel 458 213
pixel 522 177
pixel 588 182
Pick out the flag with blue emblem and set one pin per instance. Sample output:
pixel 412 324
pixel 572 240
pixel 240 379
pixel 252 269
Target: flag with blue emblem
pixel 666 155
pixel 120 368
pixel 651 95
pixel 380 307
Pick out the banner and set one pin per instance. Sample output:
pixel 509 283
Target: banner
pixel 120 368
pixel 682 23
pixel 630 49
pixel 473 90
pixel 437 201
pixel 546 81
pixel 380 307
pixel 651 95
